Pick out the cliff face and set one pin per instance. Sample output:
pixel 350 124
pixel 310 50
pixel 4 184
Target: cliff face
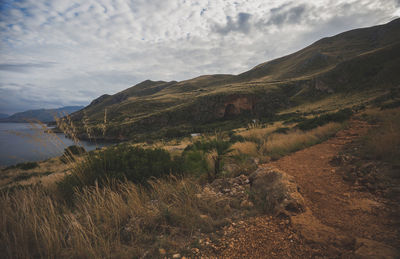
pixel 352 61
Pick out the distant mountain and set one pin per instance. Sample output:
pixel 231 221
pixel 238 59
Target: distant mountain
pixel 43 115
pixel 3 115
pixel 351 62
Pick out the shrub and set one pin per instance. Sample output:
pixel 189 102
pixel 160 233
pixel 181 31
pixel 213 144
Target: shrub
pixel 282 130
pixel 195 162
pixel 339 116
pixel 236 138
pixel 24 166
pixel 216 149
pixel 121 162
pixel 71 152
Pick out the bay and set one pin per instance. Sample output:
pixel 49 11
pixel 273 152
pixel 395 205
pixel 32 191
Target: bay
pixel 22 142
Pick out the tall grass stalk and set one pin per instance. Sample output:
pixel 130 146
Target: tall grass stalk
pixel 120 220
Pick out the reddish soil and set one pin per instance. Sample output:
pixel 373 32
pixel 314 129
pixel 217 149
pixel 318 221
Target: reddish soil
pixel 340 221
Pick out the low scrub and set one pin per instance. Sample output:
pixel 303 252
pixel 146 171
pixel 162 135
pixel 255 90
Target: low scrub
pixel 71 152
pixel 122 162
pixel 24 166
pixel 339 116
pixel 207 156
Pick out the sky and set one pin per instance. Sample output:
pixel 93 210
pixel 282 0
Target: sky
pixel 68 52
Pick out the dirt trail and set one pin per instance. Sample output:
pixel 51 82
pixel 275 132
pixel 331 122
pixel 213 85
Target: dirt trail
pixel 340 222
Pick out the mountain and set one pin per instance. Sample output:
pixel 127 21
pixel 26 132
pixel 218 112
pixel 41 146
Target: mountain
pixel 43 115
pixel 351 62
pixel 3 115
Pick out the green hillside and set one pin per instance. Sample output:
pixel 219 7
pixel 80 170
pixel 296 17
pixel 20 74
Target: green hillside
pixel 351 62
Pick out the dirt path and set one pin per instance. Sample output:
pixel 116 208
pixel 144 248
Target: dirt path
pixel 340 222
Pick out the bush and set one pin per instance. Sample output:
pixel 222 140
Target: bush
pixel 339 116
pixel 71 152
pixel 283 130
pixel 216 149
pixel 121 162
pixel 24 166
pixel 236 138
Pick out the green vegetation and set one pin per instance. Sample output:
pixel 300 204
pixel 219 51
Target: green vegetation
pixel 122 162
pixel 24 166
pixel 71 152
pixel 216 149
pixel 339 116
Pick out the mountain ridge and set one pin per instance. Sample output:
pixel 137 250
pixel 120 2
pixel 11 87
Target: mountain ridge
pixel 43 115
pixel 350 61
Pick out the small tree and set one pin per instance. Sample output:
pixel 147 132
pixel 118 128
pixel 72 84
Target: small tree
pixel 217 148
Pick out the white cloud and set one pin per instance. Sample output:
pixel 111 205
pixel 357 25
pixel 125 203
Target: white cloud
pixel 73 51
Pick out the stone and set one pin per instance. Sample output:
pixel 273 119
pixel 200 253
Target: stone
pixel 176 256
pixel 276 191
pixel 205 217
pixel 162 251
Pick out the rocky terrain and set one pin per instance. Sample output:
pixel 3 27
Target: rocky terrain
pixel 317 212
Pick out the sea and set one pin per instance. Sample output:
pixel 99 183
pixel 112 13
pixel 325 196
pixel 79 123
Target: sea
pixel 23 142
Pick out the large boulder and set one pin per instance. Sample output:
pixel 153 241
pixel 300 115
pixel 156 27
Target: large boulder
pixel 274 191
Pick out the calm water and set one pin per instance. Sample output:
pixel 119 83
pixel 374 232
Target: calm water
pixel 21 142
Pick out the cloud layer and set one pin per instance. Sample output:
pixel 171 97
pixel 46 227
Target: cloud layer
pixel 67 52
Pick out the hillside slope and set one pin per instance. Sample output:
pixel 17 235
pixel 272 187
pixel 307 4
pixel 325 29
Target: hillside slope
pixel 43 115
pixel 352 61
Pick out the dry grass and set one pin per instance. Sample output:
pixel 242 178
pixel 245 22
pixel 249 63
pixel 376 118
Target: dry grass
pixel 119 221
pixel 246 147
pixel 278 145
pixel 383 142
pixel 258 131
pixel 263 143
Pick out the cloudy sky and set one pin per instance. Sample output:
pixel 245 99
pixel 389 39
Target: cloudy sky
pixel 68 52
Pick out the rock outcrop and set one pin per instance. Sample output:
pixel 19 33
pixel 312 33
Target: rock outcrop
pixel 275 191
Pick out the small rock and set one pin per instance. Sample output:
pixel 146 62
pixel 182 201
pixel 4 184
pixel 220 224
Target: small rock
pixel 202 216
pixel 176 256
